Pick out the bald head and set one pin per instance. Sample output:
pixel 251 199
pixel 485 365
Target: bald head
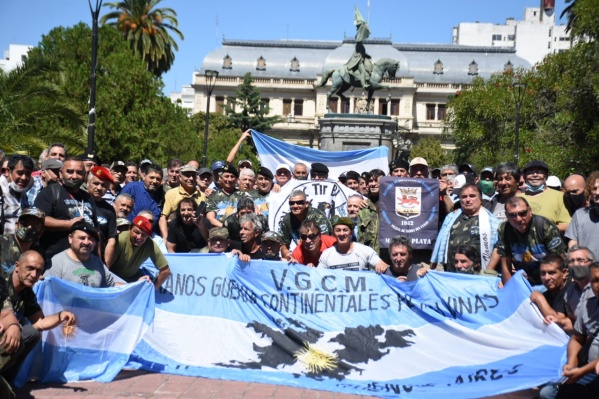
pixel 575 184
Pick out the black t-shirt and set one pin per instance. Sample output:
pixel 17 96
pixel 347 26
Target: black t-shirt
pixel 58 203
pixel 557 301
pixel 185 237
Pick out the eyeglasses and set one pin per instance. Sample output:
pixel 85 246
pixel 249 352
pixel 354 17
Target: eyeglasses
pixel 291 203
pixel 312 237
pixel 514 215
pixel 579 260
pixel 217 239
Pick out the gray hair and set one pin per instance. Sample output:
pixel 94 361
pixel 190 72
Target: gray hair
pixel 298 193
pixel 253 219
pixel 247 171
pixel 126 196
pixel 575 248
pixel 451 167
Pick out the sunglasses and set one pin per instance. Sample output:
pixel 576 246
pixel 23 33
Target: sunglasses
pixel 304 237
pixel 513 215
pixel 291 203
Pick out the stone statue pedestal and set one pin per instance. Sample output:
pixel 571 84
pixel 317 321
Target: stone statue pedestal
pixel 346 132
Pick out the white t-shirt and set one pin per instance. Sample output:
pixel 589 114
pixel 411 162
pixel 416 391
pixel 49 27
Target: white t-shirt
pixel 359 258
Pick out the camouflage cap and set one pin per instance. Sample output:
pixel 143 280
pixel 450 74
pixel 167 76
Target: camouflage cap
pixel 220 232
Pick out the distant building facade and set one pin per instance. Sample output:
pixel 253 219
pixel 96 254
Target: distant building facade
pixel 14 56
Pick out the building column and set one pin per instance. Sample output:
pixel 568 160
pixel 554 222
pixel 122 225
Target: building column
pixel 376 105
pixel 351 104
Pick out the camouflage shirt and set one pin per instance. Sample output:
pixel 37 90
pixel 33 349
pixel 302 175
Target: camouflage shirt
pixel 223 204
pixel 289 226
pixel 367 228
pixel 465 230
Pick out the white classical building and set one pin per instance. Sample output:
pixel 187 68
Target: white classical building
pixel 285 72
pixel 14 56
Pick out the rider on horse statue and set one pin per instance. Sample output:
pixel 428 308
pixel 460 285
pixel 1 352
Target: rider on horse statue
pixel 360 64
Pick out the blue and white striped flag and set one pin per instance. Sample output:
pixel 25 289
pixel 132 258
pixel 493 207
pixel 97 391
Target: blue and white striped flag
pixel 447 335
pixel 273 152
pixel 110 323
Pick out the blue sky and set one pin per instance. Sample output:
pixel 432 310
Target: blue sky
pixel 406 21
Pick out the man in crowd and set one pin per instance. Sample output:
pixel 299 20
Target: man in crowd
pixel 282 174
pixel 187 189
pixel 65 204
pixel 204 180
pixel 400 252
pixel 244 206
pixel 448 170
pixel 28 230
pixel 246 180
pixel 219 242
pixel 419 168
pixel 56 151
pixel 525 240
pixel 148 193
pixel 574 193
pixel 20 303
pixel 173 173
pixel 14 190
pixel 123 205
pixel 349 255
pixel 118 169
pixel 300 210
pixel 250 233
pixel 363 184
pixel 366 221
pixel 552 303
pixel 300 171
pixel 132 173
pixel 271 245
pixel 319 171
pixel 399 168
pixel 471 224
pixel 264 178
pixel 78 264
pixel 583 347
pixel 352 180
pixel 313 243
pixel 98 183
pixel 579 259
pixel 507 176
pixel 543 201
pixel 223 202
pixel 133 248
pixel 374 186
pixel 584 227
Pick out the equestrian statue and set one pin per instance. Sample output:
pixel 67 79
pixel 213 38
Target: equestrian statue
pixel 359 71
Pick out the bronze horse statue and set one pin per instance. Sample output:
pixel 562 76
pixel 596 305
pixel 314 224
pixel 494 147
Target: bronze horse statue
pixel 342 79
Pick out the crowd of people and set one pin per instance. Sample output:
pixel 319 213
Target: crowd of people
pixel 77 219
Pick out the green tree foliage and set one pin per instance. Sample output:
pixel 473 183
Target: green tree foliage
pixel 133 118
pixel 430 149
pixel 221 138
pixel 35 111
pixel 248 110
pixel 146 28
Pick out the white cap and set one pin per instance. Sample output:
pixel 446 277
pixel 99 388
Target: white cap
pixel 283 166
pixel 418 161
pixel 554 181
pixel 459 181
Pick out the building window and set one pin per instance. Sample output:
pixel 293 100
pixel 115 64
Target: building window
pixel 430 112
pixel 440 112
pixel 395 107
pixel 286 107
pixel 294 65
pixel 508 67
pixel 333 105
pixel 383 106
pixel 298 107
pixel 261 64
pixel 345 107
pixel 473 68
pixel 220 105
pixel 564 39
pixel 511 38
pixel 496 38
pixel 438 68
pixel 227 62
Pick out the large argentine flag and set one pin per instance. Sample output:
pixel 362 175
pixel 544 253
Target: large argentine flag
pixel 447 335
pixel 110 323
pixel 273 152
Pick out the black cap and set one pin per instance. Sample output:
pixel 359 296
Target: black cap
pixel 365 176
pixel 399 163
pixel 318 167
pixel 536 164
pixel 264 171
pixel 468 166
pixel 352 175
pixel 91 156
pixel 84 226
pixel 231 169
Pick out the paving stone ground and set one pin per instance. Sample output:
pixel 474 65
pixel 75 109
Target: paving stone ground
pixel 142 384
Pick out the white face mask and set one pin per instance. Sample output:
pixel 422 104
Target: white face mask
pixel 13 186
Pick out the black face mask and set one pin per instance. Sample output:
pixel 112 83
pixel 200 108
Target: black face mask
pixel 72 184
pixel 574 201
pixel 594 208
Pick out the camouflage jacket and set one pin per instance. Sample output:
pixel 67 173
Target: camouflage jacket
pixel 368 228
pixel 289 226
pixel 224 204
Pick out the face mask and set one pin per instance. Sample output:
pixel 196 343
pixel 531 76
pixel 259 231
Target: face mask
pixel 534 190
pixel 579 273
pixel 13 186
pixel 487 187
pixel 574 201
pixel 594 207
pixel 72 184
pixel 27 234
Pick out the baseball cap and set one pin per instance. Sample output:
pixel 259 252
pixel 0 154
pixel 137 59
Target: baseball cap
pixel 187 169
pixel 271 236
pixel 204 170
pixel 399 163
pixel 220 232
pixel 464 166
pixel 554 182
pixel 536 164
pixel 418 161
pixel 51 163
pixel 118 165
pixel 216 165
pixel 244 161
pixel 35 212
pixel 283 166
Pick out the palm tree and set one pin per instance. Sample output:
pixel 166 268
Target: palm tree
pixel 34 111
pixel 147 28
pixel 569 11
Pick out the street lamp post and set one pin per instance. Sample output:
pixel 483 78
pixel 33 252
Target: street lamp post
pixel 91 125
pixel 210 81
pixel 519 89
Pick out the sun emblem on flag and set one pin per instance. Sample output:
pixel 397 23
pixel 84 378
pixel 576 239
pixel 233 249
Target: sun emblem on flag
pixel 315 360
pixel 69 330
